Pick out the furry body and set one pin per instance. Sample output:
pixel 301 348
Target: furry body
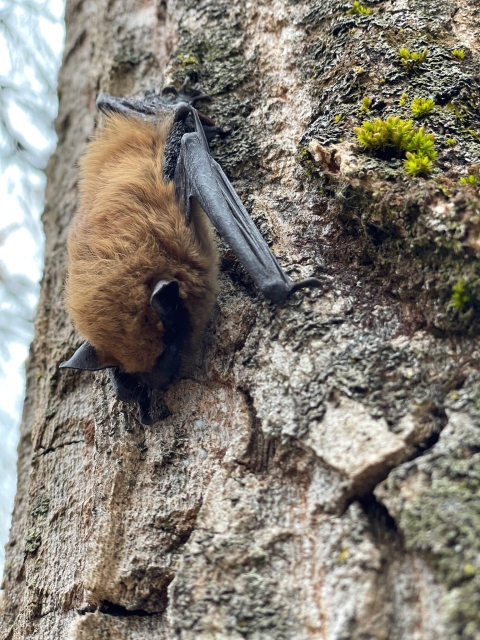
pixel 129 233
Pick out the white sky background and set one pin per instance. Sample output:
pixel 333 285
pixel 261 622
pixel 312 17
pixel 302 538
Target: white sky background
pixel 31 44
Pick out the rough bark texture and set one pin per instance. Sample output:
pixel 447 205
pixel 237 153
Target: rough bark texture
pixel 318 472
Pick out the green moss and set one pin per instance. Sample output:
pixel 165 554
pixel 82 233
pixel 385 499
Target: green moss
pixel 416 165
pixel 452 107
pixel 421 107
pixel 460 295
pixel 403 99
pixel 187 59
pixel 188 64
pixel 445 190
pixel 468 180
pixel 358 9
pixel 366 104
pixel 411 59
pixel 473 133
pixel 309 167
pixel 458 53
pixel 403 137
pixel 451 142
pixel 398 134
pixel 343 556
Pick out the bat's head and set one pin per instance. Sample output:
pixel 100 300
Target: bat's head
pixel 166 303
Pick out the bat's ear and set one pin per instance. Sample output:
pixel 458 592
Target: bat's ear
pixel 85 357
pixel 164 301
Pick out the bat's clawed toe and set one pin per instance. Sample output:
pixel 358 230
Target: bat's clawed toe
pixel 169 89
pixel 308 283
pixel 144 412
pixel 189 93
pixel 153 409
pixel 212 132
pixel 203 97
pixel 279 290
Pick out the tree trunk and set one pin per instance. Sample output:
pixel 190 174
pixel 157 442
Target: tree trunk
pixel 318 472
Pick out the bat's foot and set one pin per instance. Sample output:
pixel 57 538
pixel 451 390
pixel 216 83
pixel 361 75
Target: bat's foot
pixel 149 108
pixel 189 93
pixel 187 97
pixel 144 410
pixel 152 408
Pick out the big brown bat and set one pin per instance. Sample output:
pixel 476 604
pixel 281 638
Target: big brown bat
pixel 142 257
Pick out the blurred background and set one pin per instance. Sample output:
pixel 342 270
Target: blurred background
pixel 31 45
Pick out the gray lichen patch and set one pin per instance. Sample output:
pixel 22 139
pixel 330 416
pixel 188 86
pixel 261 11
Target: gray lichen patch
pixel 434 501
pixel 41 507
pixel 33 539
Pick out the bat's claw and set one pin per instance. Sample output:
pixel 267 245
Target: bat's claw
pixel 169 89
pixel 189 93
pixel 144 412
pixel 186 86
pixel 306 284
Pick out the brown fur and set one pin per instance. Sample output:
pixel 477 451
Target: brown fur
pixel 128 233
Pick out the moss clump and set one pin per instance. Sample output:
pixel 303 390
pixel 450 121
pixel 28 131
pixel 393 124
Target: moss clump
pixel 188 62
pixel 358 9
pixel 451 142
pixel 403 99
pixel 468 180
pixel 366 104
pixel 410 59
pixel 403 137
pixel 187 59
pixel 416 165
pixel 421 107
pixel 460 296
pixel 458 53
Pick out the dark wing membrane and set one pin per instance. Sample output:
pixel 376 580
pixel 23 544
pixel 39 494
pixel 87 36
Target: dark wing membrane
pixel 85 358
pixel 197 175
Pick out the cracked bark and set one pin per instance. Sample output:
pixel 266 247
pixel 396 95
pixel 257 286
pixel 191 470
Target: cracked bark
pixel 316 475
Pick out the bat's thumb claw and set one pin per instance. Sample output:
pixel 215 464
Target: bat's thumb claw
pixel 304 284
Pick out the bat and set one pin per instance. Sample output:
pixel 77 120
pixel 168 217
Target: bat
pixel 142 258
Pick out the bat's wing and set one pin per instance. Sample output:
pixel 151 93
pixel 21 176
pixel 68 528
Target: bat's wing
pixel 197 175
pixel 85 358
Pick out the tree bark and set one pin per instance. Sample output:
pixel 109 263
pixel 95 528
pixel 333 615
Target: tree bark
pixel 318 472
